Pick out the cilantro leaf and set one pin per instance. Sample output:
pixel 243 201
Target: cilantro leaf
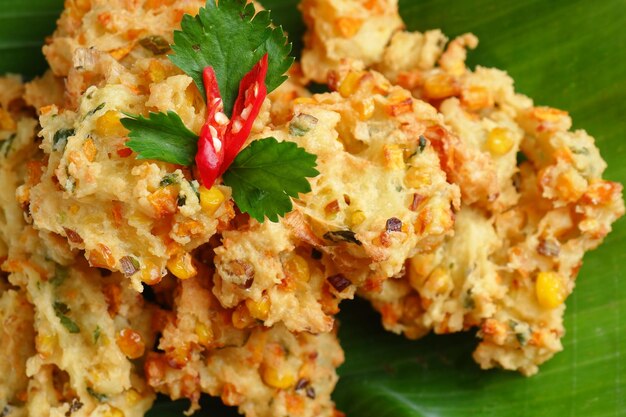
pixel 266 174
pixel 96 395
pixel 161 136
pixel 60 310
pixel 279 61
pixel 231 39
pixel 60 275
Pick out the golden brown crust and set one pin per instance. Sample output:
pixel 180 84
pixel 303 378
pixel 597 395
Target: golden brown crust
pixel 127 215
pixel 520 223
pixel 361 228
pixel 264 371
pixel 346 30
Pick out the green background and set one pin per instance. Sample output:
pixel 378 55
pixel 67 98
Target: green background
pixel 569 54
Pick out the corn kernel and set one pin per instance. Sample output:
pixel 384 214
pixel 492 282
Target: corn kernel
pixel 304 100
pixel 130 343
pixel 298 268
pixel 46 109
pixel 476 98
pixel 132 397
pixel 570 186
pixel 241 317
pixel 400 102
pixel 398 95
pixel 439 282
pixel 109 125
pixel 350 84
pixel 549 114
pixel 120 53
pixel 348 26
pixel 156 72
pixel 45 345
pixel 277 377
pixel 181 265
pixel 401 108
pixel 550 290
pixel 357 218
pixel 89 149
pixel 6 121
pixel 260 309
pixel 416 178
pixel 499 141
pixel 440 86
pixel 211 199
pixel 101 257
pixel 164 201
pixel 410 79
pixel 113 412
pixel 204 333
pixel 365 108
pixel 179 355
pixel 150 273
pixel 394 156
pixel 382 87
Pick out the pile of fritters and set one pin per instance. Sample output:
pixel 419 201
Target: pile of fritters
pixel 445 198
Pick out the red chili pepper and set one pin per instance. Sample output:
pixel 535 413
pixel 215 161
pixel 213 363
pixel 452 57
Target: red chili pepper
pixel 220 139
pixel 124 152
pixel 211 143
pixel 252 93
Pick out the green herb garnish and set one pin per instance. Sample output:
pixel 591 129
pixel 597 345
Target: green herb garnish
pixel 95 110
pixel 266 174
pixel 468 300
pixel 155 44
pixel 60 275
pixel 301 124
pixel 161 136
pixel 342 236
pixel 59 140
pixel 5 147
pixel 168 179
pixel 422 143
pixel 96 334
pixel 231 39
pixel 96 395
pixel 61 309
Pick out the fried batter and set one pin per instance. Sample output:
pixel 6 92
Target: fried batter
pixel 533 202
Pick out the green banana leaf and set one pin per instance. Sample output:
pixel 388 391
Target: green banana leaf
pixel 569 54
pixel 24 24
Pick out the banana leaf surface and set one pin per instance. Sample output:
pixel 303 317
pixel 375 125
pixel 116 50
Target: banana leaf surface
pixel 569 54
